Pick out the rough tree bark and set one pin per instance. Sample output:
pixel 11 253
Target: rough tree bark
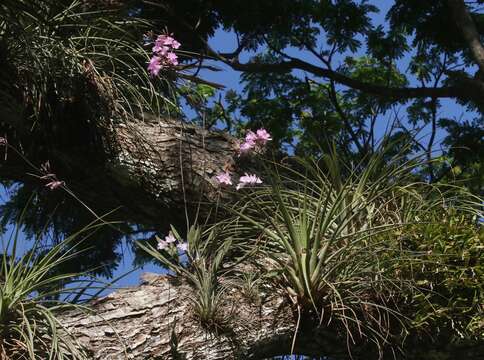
pixel 170 162
pixel 145 167
pixel 156 321
pixel 466 25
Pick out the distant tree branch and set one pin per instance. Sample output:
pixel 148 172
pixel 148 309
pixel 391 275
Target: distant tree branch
pixel 460 86
pixel 378 90
pixel 469 31
pixel 334 100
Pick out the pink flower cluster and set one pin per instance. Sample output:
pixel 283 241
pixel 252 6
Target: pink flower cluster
pixel 54 184
pixel 254 141
pixel 225 178
pixel 163 54
pixel 170 240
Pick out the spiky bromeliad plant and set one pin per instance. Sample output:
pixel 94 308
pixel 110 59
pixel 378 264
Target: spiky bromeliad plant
pixel 333 239
pixel 31 293
pixel 201 264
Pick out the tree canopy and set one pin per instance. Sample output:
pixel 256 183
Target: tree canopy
pixel 366 118
pixel 338 69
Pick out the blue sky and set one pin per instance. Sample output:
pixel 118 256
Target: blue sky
pixel 224 41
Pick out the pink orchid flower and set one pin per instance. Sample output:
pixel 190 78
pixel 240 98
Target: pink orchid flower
pixel 162 245
pixel 170 238
pixel 172 58
pixel 163 54
pixel 54 184
pixel 248 180
pixel 173 43
pixel 224 178
pixel 154 65
pixel 161 50
pixel 251 137
pixel 263 136
pixel 167 40
pixel 254 141
pixel 246 147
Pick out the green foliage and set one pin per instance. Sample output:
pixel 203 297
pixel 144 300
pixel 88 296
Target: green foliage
pixel 71 67
pixel 451 272
pixel 306 116
pixel 69 73
pixel 466 153
pixel 375 43
pixel 360 242
pixel 29 326
pixel 321 240
pixel 365 249
pixel 334 237
pixel 55 215
pixel 250 285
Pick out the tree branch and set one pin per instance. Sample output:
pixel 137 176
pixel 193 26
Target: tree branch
pixel 462 86
pixel 156 321
pixel 145 165
pixel 384 91
pixel 469 31
pixel 334 99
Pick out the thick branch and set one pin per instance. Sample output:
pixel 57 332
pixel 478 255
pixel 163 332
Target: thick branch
pixel 463 87
pixel 156 321
pixel 170 159
pixel 149 168
pixel 469 31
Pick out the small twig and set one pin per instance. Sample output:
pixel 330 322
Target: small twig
pixel 297 328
